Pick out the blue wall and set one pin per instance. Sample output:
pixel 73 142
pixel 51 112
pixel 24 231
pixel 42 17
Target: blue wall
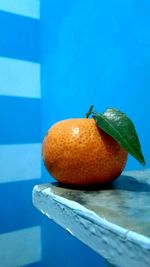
pixel 20 132
pixel 94 52
pixel 97 52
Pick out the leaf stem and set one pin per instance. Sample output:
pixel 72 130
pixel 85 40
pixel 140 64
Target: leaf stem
pixel 89 111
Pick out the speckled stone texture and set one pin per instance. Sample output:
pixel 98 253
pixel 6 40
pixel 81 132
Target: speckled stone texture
pixel 113 220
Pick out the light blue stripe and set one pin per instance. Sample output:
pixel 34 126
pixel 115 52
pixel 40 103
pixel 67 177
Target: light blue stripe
pixel 21 247
pixel 20 162
pixel 19 78
pixel 30 8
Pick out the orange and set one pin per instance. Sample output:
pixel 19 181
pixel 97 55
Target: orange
pixel 77 152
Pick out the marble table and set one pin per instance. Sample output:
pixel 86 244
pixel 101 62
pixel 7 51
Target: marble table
pixel 114 221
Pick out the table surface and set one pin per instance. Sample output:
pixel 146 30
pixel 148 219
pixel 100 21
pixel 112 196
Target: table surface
pixel 114 220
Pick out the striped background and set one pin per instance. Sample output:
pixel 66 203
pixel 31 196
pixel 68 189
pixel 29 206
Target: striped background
pixel 20 132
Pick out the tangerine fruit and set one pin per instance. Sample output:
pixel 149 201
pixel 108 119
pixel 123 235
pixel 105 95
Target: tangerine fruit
pixel 77 152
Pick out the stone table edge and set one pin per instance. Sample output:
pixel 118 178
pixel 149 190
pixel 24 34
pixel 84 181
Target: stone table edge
pixel 133 240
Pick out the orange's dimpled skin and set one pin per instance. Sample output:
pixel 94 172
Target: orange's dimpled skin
pixel 77 152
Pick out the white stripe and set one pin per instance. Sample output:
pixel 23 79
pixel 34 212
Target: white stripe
pixel 19 78
pixel 30 8
pixel 20 162
pixel 21 247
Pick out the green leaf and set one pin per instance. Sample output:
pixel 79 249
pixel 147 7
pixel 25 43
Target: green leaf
pixel 121 128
